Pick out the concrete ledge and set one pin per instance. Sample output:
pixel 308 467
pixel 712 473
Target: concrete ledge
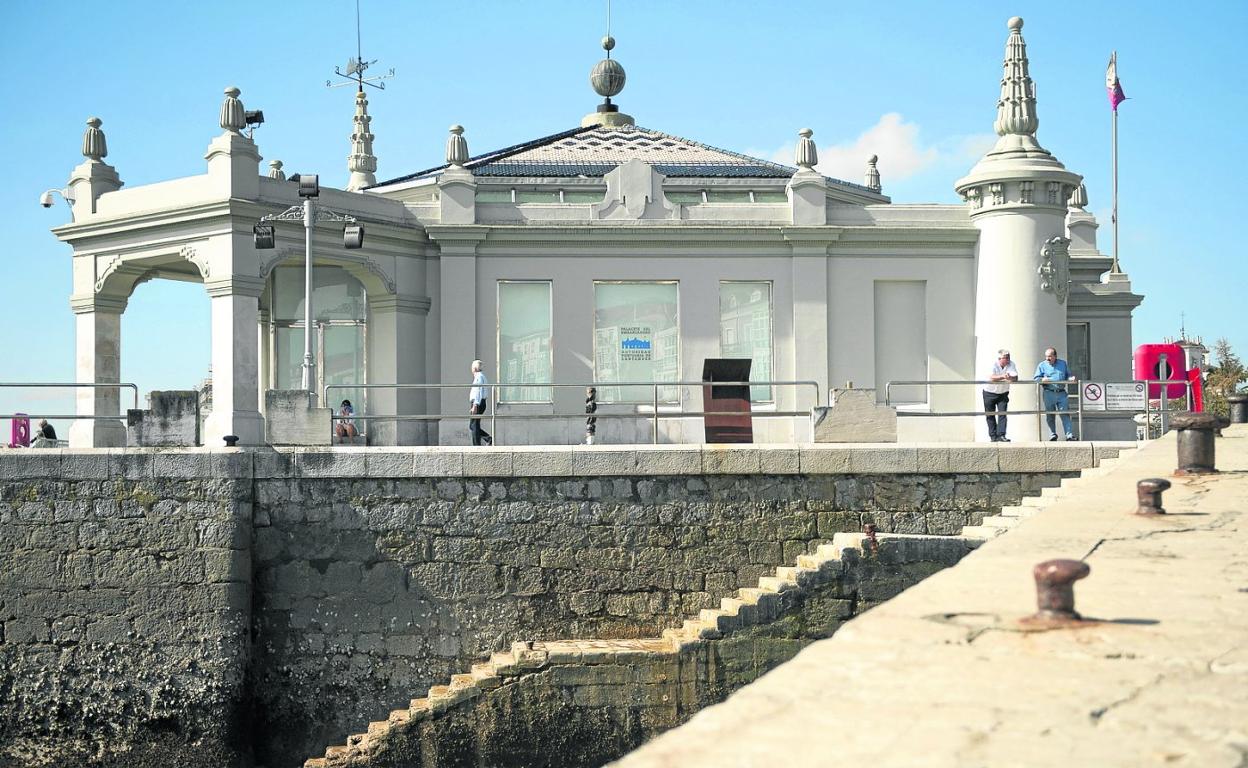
pixel 552 461
pixel 949 665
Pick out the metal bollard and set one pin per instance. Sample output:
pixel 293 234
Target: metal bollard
pixel 230 440
pixel 1196 444
pixel 1239 408
pixel 1149 491
pixel 1055 591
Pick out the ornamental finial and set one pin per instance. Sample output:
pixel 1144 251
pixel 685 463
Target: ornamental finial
pixel 806 156
pixel 275 170
pixel 1016 110
pixel 873 174
pixel 94 147
pixel 456 147
pixel 233 118
pixel 1079 198
pixel 362 163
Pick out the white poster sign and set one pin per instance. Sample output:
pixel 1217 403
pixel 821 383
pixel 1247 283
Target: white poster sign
pixel 1128 396
pixel 1093 394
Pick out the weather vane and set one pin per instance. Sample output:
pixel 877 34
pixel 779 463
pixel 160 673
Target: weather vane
pixel 356 65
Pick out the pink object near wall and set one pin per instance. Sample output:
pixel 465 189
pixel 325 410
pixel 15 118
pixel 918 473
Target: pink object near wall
pixel 1148 365
pixel 19 435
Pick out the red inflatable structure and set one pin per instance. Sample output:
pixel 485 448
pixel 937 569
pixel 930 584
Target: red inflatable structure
pixel 1150 365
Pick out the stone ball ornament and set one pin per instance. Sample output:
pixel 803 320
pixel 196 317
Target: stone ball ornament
pixel 607 78
pixel 1015 23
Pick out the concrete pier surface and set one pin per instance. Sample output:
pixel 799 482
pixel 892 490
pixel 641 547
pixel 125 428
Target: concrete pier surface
pixel 944 675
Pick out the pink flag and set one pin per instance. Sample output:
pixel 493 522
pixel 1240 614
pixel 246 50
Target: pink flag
pixel 1116 96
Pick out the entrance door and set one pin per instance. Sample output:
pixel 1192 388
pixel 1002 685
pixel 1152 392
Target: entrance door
pixel 339 353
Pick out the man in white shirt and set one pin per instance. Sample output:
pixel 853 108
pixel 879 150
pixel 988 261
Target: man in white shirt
pixel 997 395
pixel 478 398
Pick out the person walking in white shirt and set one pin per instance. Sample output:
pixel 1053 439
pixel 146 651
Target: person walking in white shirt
pixel 997 395
pixel 478 402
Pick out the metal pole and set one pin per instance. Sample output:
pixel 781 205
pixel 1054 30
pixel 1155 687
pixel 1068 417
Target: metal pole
pixel 1039 411
pixel 1115 269
pixel 494 415
pixel 1079 398
pixel 309 367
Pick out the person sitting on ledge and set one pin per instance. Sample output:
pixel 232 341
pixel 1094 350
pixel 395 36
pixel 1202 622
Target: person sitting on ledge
pixel 345 426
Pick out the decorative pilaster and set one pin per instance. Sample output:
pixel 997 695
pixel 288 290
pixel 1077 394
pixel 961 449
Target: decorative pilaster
pixel 97 330
pixel 233 159
pixel 872 179
pixel 808 189
pixel 93 177
pixel 361 162
pixel 457 189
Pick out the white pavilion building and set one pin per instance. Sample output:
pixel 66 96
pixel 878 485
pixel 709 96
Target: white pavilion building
pixel 608 253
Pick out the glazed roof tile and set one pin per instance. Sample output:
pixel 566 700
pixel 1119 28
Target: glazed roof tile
pixel 594 151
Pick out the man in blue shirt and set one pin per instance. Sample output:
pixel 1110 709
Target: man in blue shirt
pixel 1055 373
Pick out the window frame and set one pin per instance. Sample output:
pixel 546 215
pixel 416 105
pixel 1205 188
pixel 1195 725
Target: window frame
pixel 498 342
pixel 604 386
pixel 771 333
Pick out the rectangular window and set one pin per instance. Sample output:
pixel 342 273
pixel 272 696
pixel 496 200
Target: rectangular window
pixel 524 328
pixel 901 339
pixel 636 339
pixel 745 330
pixel 1078 350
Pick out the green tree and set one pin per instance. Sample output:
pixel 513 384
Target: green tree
pixel 1224 378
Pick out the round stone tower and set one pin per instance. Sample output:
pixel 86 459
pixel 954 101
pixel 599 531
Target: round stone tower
pixel 1018 194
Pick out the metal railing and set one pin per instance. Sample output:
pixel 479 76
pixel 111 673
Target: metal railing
pixel 1040 413
pixel 659 410
pixel 67 385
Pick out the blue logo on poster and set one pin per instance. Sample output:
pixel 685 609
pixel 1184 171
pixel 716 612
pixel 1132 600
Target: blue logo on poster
pixel 635 344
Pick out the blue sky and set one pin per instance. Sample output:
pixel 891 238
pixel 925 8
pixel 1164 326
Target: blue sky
pixel 915 83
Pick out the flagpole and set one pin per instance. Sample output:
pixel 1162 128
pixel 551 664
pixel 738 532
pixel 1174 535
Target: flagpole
pixel 1115 269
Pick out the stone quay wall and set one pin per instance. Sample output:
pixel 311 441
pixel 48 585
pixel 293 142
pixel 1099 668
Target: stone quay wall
pixel 251 607
pixel 125 599
pixel 583 703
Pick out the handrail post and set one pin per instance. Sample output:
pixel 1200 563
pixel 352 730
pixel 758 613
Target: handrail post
pixel 1079 400
pixel 1039 411
pixel 655 404
pixel 1165 395
pixel 494 414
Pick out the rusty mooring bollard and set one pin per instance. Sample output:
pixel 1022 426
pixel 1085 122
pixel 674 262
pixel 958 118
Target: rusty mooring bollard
pixel 1239 408
pixel 1195 442
pixel 1149 492
pixel 1055 590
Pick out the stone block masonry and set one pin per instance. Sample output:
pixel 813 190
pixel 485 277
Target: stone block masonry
pixel 126 612
pixel 305 592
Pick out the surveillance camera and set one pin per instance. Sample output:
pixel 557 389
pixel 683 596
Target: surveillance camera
pixel 46 199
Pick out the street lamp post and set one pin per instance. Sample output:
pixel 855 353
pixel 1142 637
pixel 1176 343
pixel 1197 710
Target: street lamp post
pixel 309 213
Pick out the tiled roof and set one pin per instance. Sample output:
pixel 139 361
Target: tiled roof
pixel 596 150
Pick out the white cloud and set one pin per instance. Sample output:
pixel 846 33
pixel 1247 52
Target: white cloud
pixel 901 151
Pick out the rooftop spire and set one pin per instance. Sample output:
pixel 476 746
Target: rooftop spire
pixel 233 116
pixel 361 162
pixel 872 179
pixel 806 155
pixel 456 147
pixel 1016 111
pixel 94 147
pixel 607 79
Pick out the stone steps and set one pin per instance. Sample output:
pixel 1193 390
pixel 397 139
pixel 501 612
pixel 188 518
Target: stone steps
pixel 749 606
